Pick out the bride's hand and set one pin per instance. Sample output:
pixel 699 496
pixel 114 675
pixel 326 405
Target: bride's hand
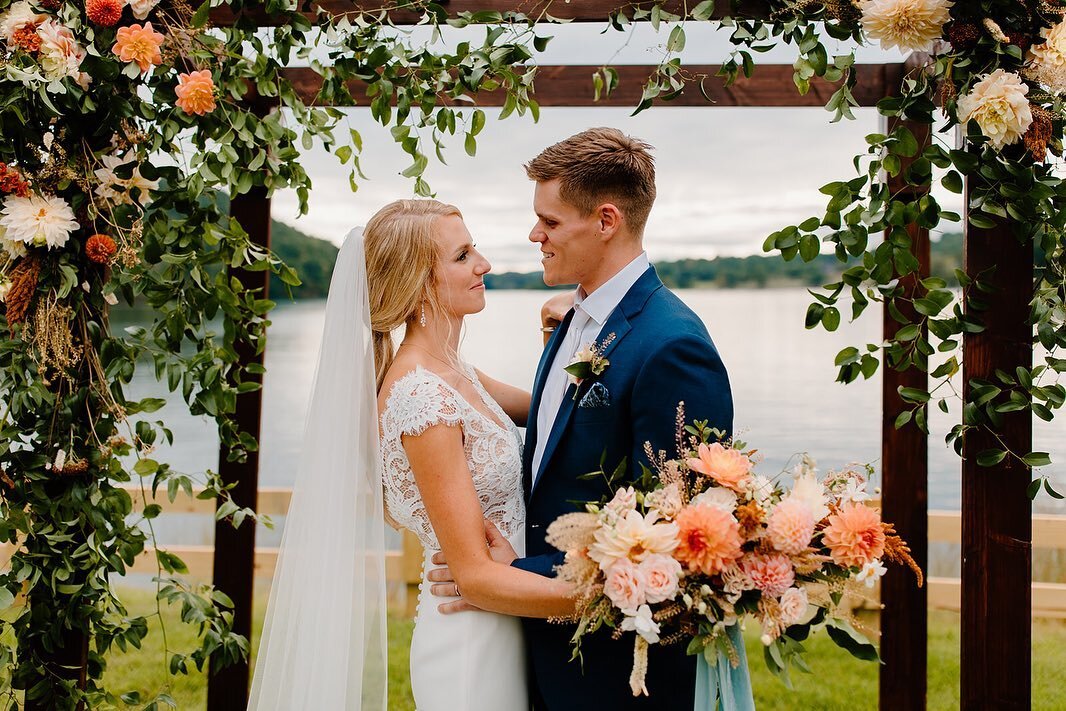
pixel 554 309
pixel 500 550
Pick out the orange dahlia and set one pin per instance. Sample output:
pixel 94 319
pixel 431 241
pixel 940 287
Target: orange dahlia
pixel 138 44
pixel 12 182
pixel 26 38
pixel 855 535
pixel 709 538
pixel 104 12
pixel 100 249
pixel 196 92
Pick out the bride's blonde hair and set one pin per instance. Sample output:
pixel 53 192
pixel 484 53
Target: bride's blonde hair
pixel 400 256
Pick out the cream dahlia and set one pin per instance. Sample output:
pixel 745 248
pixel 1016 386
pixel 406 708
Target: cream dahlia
pixel 911 25
pixel 1047 61
pixel 999 105
pixel 635 537
pixel 38 220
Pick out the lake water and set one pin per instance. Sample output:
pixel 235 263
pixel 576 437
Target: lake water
pixel 783 380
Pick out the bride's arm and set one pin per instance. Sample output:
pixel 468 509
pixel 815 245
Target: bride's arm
pixel 443 478
pixel 514 401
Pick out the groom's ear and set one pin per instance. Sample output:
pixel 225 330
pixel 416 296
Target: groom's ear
pixel 610 218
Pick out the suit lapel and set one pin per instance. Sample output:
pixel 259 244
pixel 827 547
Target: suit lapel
pixel 617 323
pixel 546 359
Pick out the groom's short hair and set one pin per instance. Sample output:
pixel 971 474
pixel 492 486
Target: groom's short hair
pixel 601 165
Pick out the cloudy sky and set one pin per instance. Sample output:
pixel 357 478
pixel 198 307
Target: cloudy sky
pixel 727 177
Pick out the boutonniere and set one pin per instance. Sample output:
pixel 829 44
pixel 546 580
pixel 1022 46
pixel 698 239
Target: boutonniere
pixel 588 362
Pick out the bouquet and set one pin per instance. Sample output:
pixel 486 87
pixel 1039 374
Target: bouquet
pixel 702 542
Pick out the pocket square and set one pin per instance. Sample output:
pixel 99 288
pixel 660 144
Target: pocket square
pixel 597 396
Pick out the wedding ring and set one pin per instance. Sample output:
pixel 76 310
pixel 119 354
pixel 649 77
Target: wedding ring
pixel 457 594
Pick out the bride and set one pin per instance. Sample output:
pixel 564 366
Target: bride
pixel 416 436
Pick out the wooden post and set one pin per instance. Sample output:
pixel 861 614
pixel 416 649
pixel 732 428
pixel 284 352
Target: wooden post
pixel 234 550
pixel 905 485
pixel 996 511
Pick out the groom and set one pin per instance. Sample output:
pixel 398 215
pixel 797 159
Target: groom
pixel 593 194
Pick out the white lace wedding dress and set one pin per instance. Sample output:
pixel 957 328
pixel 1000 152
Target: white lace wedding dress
pixel 471 661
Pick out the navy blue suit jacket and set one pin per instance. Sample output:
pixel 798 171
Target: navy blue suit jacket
pixel 661 355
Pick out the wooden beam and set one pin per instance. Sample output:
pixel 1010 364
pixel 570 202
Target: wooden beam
pixel 571 85
pixel 571 10
pixel 234 548
pixel 996 511
pixel 905 480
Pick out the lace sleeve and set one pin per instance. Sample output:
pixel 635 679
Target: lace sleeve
pixel 419 401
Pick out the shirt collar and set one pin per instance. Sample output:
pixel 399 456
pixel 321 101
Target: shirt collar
pixel 599 304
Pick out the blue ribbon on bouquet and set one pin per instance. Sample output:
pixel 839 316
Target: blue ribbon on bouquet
pixel 724 683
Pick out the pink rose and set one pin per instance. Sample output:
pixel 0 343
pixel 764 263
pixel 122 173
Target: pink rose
pixel 793 605
pixel 661 574
pixel 626 587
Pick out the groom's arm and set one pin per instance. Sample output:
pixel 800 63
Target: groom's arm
pixel 540 564
pixel 685 369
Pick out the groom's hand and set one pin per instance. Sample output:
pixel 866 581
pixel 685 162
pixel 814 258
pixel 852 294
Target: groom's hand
pixel 500 550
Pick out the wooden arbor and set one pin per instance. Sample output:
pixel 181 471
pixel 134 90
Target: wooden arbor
pixel 996 510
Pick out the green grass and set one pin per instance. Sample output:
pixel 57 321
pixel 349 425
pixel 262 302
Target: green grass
pixel 839 682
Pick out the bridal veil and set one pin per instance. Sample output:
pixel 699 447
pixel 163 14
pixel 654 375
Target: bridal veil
pixel 324 638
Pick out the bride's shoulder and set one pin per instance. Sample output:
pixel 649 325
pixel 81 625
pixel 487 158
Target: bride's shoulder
pixel 411 378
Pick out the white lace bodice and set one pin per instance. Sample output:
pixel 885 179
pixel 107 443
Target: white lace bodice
pixel 421 399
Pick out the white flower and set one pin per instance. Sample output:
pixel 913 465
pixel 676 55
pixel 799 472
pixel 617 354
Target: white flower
pixel 719 497
pixel 110 298
pixel 85 287
pixel 911 25
pixel 641 622
pixel 999 105
pixel 855 491
pixel 667 501
pixel 17 16
pixel 5 286
pixel 871 573
pixel 13 248
pixel 624 501
pixel 810 491
pixel 61 55
pixel 39 220
pixel 61 459
pixel 759 489
pixel 141 8
pixel 118 190
pixel 1047 61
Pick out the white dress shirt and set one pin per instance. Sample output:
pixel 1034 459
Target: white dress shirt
pixel 591 312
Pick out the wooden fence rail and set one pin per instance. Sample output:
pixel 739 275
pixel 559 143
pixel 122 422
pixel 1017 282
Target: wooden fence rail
pixel 405 566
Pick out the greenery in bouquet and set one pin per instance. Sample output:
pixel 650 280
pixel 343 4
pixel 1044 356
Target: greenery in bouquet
pixel 702 542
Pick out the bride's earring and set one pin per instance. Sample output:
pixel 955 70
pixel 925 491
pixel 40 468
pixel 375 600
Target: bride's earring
pixel 422 318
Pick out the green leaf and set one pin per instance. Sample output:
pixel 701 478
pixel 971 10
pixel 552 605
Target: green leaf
pixel 199 18
pixel 845 636
pixel 990 457
pixel 1037 459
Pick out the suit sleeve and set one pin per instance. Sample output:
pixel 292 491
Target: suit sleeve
pixel 540 564
pixel 686 369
